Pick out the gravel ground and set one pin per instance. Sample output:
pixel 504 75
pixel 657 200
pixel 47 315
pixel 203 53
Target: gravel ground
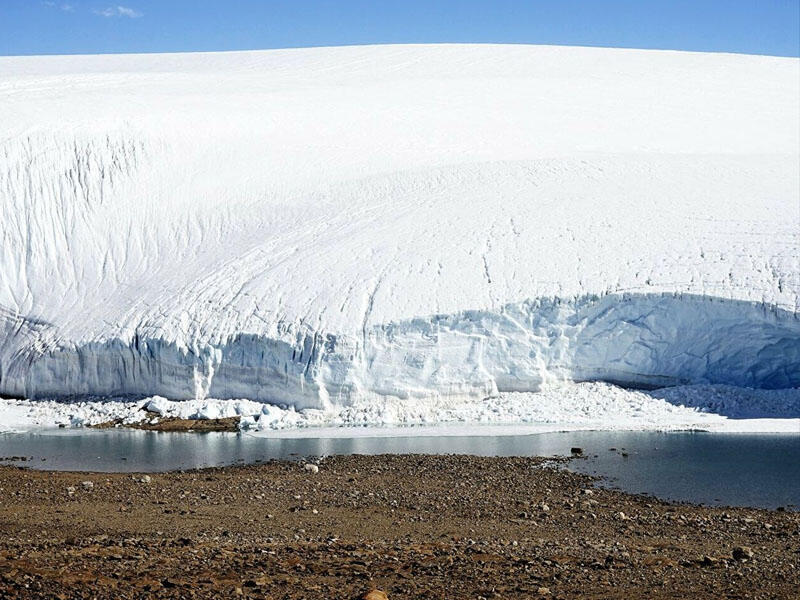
pixel 412 526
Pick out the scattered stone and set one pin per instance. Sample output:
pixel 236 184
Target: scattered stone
pixel 578 548
pixel 543 591
pixel 311 468
pixel 621 516
pixel 576 451
pixel 71 490
pixel 87 485
pixel 375 595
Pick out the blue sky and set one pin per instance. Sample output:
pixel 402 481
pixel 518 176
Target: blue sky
pixel 98 26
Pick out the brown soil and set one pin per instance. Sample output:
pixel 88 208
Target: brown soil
pixel 176 424
pixel 413 526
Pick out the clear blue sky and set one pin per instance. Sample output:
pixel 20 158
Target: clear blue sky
pixel 100 26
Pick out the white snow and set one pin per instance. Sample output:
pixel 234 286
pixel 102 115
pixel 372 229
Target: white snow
pixel 581 406
pixel 398 230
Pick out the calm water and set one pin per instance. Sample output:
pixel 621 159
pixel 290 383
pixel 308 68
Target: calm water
pixel 710 468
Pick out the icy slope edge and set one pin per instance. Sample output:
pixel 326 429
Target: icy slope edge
pixel 637 339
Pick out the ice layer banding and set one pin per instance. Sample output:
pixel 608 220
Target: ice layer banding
pixel 315 227
pixel 632 340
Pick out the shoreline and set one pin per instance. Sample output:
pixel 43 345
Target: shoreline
pixel 414 526
pixel 568 406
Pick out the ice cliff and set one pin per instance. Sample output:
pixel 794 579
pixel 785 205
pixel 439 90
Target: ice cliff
pixel 318 226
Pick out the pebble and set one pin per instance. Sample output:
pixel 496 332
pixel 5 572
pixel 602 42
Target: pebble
pixel 543 591
pixel 709 554
pixel 87 485
pixel 311 468
pixel 375 595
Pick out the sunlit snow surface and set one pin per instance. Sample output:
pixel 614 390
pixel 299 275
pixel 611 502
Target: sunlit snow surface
pixel 562 408
pixel 401 230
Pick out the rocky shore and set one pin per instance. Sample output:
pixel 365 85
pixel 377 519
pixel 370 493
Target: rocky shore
pixel 407 526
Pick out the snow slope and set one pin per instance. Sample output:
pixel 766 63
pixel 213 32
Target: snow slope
pixel 323 227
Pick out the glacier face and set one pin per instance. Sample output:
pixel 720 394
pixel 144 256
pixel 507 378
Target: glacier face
pixel 313 227
pixel 634 340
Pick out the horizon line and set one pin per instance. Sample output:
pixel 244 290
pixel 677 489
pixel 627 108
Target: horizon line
pixel 347 45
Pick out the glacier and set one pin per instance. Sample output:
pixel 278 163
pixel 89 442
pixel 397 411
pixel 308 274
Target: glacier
pixel 324 228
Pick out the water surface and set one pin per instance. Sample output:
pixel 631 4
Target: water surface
pixel 710 468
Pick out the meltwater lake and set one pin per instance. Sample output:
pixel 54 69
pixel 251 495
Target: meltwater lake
pixel 732 469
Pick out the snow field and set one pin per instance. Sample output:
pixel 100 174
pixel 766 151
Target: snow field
pixel 370 228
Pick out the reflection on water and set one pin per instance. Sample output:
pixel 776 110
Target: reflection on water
pixel 713 468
